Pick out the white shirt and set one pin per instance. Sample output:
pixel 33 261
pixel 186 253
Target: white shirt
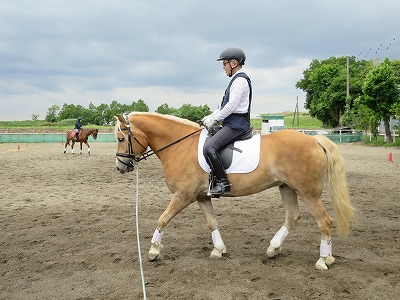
pixel 238 98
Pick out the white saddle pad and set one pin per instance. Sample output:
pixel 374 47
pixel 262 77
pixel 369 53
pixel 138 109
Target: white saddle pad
pixel 242 162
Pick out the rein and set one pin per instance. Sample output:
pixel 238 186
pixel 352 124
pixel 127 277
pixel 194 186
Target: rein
pixel 148 153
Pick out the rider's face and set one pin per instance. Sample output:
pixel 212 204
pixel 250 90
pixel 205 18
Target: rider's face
pixel 229 65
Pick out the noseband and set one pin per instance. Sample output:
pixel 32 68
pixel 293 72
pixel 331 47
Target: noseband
pixel 130 153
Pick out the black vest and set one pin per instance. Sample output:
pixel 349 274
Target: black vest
pixel 235 120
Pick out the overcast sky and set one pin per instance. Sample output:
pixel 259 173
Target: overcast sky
pixel 80 51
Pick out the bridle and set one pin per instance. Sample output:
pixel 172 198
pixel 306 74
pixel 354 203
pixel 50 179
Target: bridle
pixel 131 156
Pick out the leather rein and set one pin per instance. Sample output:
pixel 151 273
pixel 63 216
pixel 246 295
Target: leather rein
pixel 147 153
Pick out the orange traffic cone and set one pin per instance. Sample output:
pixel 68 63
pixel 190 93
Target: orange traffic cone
pixel 18 148
pixel 390 157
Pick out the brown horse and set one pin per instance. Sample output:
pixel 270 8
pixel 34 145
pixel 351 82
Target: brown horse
pixel 297 163
pixel 82 138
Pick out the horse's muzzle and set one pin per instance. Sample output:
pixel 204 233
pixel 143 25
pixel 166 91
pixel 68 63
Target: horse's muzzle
pixel 123 166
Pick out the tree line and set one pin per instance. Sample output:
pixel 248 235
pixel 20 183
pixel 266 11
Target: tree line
pixel 372 96
pixel 339 91
pixel 103 114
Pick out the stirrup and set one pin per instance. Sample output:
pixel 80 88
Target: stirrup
pixel 219 189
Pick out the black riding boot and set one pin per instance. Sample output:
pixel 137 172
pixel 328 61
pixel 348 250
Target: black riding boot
pixel 222 186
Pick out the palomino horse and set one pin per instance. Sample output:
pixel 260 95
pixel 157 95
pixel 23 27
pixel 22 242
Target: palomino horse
pixel 297 163
pixel 82 138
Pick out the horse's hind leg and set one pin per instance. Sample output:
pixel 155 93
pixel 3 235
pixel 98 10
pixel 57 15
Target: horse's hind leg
pixel 66 144
pixel 324 222
pixel 81 148
pixel 292 215
pixel 212 223
pixel 72 147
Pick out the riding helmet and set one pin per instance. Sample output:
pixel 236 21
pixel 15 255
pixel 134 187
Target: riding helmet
pixel 233 53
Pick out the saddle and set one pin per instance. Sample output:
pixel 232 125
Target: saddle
pixel 226 153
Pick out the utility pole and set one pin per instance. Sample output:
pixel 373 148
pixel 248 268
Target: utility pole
pixel 348 78
pixel 296 112
pixel 347 92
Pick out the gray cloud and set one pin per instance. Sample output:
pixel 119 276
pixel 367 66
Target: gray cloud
pixel 54 52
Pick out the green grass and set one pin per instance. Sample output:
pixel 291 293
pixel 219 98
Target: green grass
pixel 380 142
pixel 42 125
pixel 305 121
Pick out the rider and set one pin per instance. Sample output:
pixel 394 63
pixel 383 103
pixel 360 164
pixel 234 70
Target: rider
pixel 78 127
pixel 234 115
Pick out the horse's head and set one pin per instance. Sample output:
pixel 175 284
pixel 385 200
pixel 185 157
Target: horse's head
pixel 131 145
pixel 94 134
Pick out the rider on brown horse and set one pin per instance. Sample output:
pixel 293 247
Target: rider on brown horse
pixel 78 127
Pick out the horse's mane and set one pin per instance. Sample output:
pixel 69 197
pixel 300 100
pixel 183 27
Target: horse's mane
pixel 167 117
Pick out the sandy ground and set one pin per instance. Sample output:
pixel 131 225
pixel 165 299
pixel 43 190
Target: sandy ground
pixel 67 226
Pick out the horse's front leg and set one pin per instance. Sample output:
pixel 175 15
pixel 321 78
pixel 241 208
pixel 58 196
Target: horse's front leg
pixel 175 206
pixel 66 144
pixel 212 223
pixel 81 148
pixel 88 147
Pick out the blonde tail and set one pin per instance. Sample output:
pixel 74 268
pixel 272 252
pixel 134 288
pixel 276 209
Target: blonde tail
pixel 345 213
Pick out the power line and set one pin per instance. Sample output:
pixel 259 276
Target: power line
pixel 385 46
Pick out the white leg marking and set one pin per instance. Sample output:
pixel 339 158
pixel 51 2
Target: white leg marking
pixel 156 245
pixel 219 246
pixel 279 237
pixel 326 258
pixel 276 242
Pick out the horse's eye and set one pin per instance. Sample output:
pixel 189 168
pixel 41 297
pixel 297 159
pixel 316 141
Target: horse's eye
pixel 121 140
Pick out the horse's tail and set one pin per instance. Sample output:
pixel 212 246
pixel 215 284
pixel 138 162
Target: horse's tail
pixel 337 185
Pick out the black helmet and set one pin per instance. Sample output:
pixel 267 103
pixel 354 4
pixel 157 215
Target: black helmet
pixel 80 119
pixel 233 53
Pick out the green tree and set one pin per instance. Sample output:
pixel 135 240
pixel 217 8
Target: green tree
pixel 70 111
pixel 52 113
pixel 117 108
pixel 164 109
pixel 396 69
pixel 140 105
pixel 366 118
pixel 325 84
pixel 381 93
pixel 104 115
pixel 193 113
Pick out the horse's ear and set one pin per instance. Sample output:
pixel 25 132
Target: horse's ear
pixel 121 119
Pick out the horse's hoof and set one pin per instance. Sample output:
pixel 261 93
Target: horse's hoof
pixel 329 260
pixel 216 253
pixel 152 257
pixel 154 251
pixel 321 264
pixel 272 252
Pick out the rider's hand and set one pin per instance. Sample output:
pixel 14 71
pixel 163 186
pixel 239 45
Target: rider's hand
pixel 209 121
